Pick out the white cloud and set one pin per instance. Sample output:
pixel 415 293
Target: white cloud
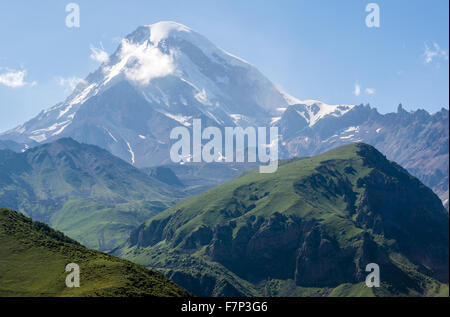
pixel 357 90
pixel 370 91
pixel 99 54
pixel 69 83
pixel 14 79
pixel 433 52
pixel 141 63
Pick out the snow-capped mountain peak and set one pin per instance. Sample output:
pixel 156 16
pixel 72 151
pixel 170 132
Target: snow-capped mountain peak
pixel 161 30
pixel 163 72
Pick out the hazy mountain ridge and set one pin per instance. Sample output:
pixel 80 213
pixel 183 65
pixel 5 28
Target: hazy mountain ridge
pixel 82 190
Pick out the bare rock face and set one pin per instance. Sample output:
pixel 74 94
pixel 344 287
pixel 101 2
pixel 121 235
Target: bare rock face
pixel 267 244
pixel 320 262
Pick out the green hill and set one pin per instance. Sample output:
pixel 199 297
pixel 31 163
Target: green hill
pixel 81 190
pixel 309 229
pixel 33 258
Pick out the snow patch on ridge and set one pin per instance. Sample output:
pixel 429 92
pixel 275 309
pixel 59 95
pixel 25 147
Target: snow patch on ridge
pixel 79 99
pixel 38 138
pixel 316 110
pixel 184 120
pixel 112 136
pixel 274 120
pixel 62 128
pixel 131 152
pixel 352 129
pixel 51 128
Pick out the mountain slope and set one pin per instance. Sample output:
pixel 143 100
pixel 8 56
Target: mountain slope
pixel 33 258
pixel 308 229
pixel 81 190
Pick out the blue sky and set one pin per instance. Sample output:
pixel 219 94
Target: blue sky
pixel 312 49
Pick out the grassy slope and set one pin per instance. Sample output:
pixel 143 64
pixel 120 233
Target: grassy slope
pixel 260 195
pixel 33 259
